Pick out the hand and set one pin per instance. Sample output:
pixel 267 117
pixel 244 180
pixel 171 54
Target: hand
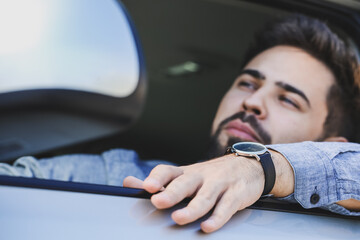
pixel 229 183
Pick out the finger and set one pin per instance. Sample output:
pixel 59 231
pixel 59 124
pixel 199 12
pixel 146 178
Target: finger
pixel 203 202
pixel 132 182
pixel 160 176
pixel 224 210
pixel 180 188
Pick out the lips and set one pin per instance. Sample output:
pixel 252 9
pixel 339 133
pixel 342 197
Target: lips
pixel 241 130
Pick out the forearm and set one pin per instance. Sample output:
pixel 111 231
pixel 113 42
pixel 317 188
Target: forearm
pixel 23 167
pixel 319 170
pixel 231 183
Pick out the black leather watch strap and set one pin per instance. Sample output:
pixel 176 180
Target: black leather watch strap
pixel 269 172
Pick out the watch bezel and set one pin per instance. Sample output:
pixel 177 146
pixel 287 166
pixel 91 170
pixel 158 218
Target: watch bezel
pixel 247 153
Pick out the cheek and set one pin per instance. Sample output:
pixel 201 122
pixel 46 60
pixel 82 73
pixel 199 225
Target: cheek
pixel 286 129
pixel 229 105
pixel 296 127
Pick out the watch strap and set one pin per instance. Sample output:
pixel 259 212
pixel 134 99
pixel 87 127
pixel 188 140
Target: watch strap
pixel 269 172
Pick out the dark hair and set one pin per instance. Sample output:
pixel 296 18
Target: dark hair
pixel 316 38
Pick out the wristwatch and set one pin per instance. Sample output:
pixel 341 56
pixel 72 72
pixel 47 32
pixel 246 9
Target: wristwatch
pixel 261 153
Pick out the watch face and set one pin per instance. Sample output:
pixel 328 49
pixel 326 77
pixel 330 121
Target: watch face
pixel 249 148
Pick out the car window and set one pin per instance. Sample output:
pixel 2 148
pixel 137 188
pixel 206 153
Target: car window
pixel 70 72
pixel 76 45
pixel 176 108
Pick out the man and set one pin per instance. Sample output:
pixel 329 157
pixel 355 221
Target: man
pixel 297 85
pixel 292 89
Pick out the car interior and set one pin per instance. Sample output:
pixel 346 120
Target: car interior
pixel 192 51
pixel 189 53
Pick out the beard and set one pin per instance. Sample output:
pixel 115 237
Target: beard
pixel 216 149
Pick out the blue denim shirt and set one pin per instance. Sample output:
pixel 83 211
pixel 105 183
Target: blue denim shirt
pixel 110 167
pixel 330 170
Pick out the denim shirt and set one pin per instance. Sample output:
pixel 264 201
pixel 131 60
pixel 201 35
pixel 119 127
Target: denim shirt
pixel 331 171
pixel 109 168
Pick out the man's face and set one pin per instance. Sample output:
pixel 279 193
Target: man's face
pixel 280 97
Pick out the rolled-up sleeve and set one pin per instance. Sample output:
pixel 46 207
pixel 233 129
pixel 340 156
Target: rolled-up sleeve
pixel 110 167
pixel 325 173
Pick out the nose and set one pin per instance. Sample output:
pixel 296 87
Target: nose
pixel 254 103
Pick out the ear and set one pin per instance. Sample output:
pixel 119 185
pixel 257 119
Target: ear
pixel 336 139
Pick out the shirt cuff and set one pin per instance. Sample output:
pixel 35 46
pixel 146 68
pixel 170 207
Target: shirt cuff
pixel 315 184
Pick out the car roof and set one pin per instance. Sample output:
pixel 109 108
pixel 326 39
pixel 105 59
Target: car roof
pixel 55 214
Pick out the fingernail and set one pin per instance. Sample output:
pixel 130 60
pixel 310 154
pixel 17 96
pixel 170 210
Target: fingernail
pixel 162 200
pixel 152 182
pixel 164 196
pixel 182 212
pixel 181 216
pixel 210 223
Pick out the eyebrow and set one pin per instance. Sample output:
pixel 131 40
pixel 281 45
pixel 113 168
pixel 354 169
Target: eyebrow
pixel 292 89
pixel 254 73
pixel 287 87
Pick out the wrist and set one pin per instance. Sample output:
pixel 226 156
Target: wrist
pixel 249 170
pixel 262 155
pixel 285 180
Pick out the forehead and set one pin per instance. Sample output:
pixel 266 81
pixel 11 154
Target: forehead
pixel 296 67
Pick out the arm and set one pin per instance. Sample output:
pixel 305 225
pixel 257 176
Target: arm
pixel 23 167
pixel 286 183
pixel 233 183
pixel 327 169
pixel 110 167
pixel 72 167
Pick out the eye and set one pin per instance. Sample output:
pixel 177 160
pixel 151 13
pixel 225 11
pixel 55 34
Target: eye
pixel 287 100
pixel 247 85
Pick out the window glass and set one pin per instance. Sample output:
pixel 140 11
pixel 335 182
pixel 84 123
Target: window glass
pixel 84 45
